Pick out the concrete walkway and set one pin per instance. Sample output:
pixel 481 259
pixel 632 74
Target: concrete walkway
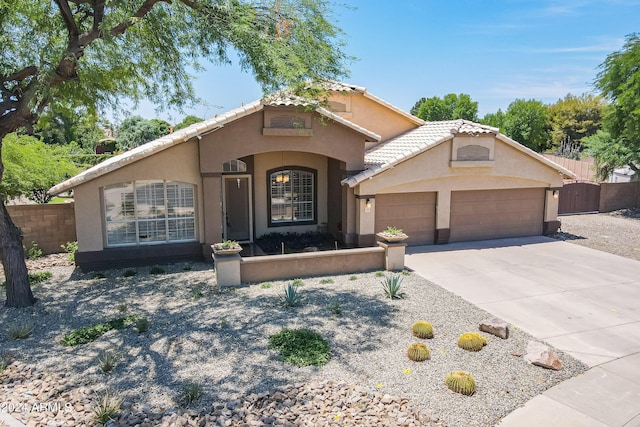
pixel 579 300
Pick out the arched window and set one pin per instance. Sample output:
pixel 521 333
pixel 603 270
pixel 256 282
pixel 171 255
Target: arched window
pixel 234 166
pixel 292 196
pixel 148 212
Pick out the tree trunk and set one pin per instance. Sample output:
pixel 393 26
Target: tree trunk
pixel 15 269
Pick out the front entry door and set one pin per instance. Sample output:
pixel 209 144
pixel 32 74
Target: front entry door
pixel 237 208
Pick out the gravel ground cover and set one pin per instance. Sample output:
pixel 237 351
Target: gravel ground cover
pixel 217 338
pixel 615 232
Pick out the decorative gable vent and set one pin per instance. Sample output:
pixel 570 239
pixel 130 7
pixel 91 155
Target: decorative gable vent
pixel 287 122
pixel 337 107
pixel 473 152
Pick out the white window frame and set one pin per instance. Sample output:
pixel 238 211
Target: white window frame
pixel 137 220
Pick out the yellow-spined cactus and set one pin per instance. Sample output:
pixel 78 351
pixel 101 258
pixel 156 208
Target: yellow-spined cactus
pixel 418 352
pixel 472 341
pixel 422 329
pixel 461 382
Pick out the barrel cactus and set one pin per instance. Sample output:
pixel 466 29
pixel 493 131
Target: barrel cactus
pixel 461 382
pixel 422 329
pixel 418 352
pixel 472 341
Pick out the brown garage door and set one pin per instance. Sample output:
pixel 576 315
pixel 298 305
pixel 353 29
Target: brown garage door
pixel 415 213
pixel 493 214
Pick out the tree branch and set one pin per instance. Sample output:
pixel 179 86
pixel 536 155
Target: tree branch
pixel 20 75
pixel 67 17
pixel 98 14
pixel 140 13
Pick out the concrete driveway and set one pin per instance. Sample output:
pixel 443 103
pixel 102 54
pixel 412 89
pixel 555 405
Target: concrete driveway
pixel 582 301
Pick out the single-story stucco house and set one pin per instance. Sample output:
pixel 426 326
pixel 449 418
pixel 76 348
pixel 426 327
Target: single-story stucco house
pixel 351 168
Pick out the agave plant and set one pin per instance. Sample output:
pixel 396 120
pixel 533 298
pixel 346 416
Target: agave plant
pixel 291 296
pixel 391 286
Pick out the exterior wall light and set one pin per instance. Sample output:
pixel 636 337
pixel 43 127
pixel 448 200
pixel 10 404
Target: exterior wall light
pixel 556 194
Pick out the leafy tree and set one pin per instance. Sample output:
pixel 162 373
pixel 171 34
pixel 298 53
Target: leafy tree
pixel 494 119
pixel 188 121
pixel 574 118
pixel 416 107
pixel 63 125
pixel 163 127
pixel 450 107
pixel 619 81
pixel 526 121
pixel 31 167
pixel 94 53
pixel 135 131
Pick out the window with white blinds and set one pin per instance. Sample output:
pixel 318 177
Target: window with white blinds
pixel 148 212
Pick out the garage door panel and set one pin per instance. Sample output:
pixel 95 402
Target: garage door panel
pixel 413 212
pixel 492 214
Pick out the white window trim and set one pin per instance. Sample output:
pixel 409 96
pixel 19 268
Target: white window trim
pixel 137 221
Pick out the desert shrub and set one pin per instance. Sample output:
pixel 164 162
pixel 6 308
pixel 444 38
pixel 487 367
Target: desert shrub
pixel 300 347
pixel 20 331
pixel 142 324
pixel 156 270
pixel 34 252
pixel 335 307
pixel 326 281
pixel 90 333
pixel 107 406
pixel 129 273
pixel 266 285
pixel 39 277
pixel 298 282
pixel 107 360
pixel 190 393
pixel 70 248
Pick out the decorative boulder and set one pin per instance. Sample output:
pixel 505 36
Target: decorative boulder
pixel 540 355
pixel 495 326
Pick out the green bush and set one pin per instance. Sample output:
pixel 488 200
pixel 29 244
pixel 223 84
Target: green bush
pixel 156 270
pixel 91 333
pixel 20 331
pixel 129 273
pixel 34 252
pixel 39 277
pixel 300 347
pixel 70 248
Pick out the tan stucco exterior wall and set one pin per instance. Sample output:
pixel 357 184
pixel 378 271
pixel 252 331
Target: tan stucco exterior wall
pixel 372 116
pixel 178 163
pixel 245 137
pixel 431 171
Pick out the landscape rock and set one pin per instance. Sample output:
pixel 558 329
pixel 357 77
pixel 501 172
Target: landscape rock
pixel 540 355
pixel 495 326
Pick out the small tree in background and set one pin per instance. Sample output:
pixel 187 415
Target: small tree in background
pixel 526 121
pixel 618 143
pixel 32 167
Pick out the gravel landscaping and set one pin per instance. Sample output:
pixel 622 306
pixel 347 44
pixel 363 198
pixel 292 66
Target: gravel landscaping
pixel 615 232
pixel 218 339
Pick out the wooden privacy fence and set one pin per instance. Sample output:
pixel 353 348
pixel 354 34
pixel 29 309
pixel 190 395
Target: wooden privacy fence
pixel 580 197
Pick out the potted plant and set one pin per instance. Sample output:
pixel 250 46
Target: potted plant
pixel 227 247
pixel 392 234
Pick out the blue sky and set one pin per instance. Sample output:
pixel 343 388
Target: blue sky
pixel 495 51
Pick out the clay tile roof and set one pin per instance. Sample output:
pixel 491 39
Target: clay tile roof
pixel 389 153
pixel 417 140
pixel 198 130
